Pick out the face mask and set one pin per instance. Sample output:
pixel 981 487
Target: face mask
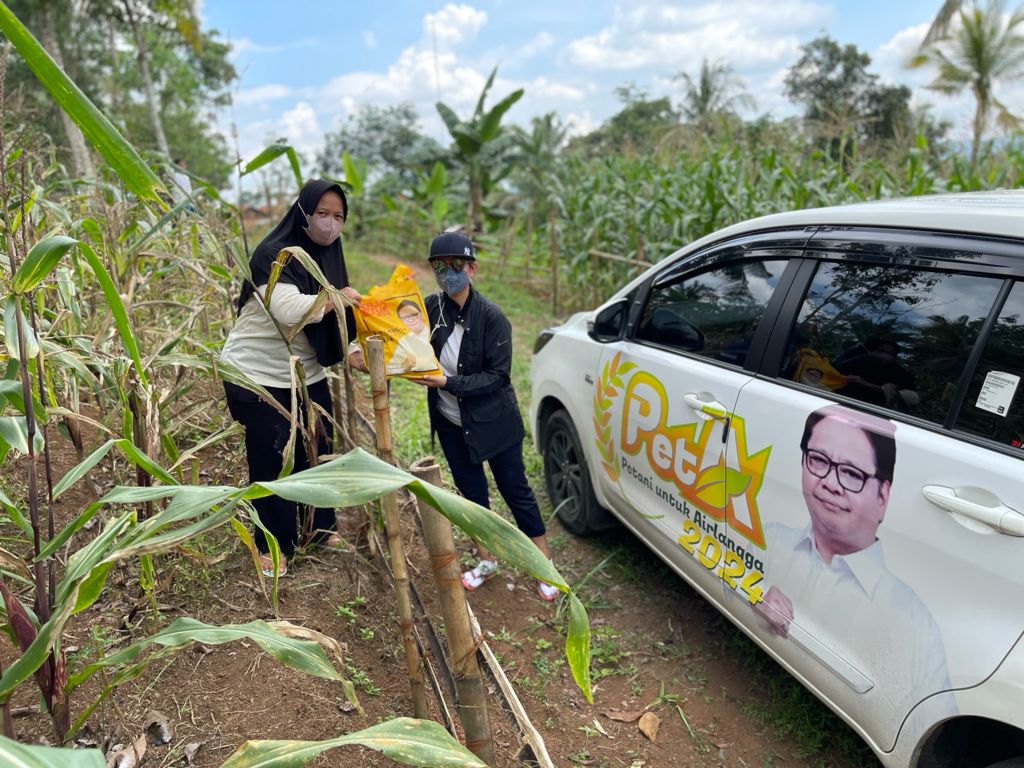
pixel 322 230
pixel 452 281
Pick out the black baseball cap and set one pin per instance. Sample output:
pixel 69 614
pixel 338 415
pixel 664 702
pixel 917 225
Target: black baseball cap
pixel 454 244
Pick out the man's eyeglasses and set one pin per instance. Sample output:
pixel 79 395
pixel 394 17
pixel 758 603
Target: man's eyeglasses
pixel 457 264
pixel 850 477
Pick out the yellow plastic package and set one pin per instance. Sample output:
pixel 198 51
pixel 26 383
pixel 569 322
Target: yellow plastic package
pixel 395 312
pixel 817 371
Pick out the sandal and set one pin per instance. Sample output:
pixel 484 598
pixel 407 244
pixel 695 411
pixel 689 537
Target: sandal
pixel 333 541
pixel 474 579
pixel 267 565
pixel 547 592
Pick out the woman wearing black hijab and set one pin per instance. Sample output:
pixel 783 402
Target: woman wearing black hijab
pixel 256 347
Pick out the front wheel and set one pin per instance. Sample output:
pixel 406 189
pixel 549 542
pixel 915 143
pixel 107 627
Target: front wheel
pixel 568 478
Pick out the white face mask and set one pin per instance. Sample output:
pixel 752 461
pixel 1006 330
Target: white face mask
pixel 322 230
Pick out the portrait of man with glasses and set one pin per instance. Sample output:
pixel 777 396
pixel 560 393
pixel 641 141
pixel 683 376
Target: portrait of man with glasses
pixel 828 578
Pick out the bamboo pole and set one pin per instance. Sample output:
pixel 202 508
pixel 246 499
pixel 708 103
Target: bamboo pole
pixel 553 231
pixel 469 683
pixel 385 450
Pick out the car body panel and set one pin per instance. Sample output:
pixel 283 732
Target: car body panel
pixel 948 590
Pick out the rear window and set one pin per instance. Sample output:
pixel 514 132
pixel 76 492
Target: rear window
pixel 994 406
pixel 893 337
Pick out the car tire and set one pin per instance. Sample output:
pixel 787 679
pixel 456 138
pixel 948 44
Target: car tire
pixel 568 477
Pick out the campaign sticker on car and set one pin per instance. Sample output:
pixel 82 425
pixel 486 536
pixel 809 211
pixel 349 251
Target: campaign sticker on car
pixel 997 392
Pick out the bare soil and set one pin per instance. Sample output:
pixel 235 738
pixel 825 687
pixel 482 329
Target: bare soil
pixel 657 647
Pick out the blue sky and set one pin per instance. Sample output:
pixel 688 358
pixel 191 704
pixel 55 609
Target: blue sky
pixel 305 66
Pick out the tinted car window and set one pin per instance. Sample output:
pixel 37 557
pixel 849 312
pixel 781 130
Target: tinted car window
pixel 994 406
pixel 714 313
pixel 894 337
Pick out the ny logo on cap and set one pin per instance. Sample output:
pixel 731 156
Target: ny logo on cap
pixel 467 251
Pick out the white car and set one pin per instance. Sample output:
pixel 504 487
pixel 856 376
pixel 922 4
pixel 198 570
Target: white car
pixel 816 419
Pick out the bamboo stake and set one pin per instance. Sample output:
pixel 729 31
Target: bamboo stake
pixel 553 231
pixel 385 450
pixel 469 683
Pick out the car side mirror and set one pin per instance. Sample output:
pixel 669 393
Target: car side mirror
pixel 610 322
pixel 673 330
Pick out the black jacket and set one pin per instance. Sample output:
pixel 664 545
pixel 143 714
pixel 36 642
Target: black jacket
pixel 491 422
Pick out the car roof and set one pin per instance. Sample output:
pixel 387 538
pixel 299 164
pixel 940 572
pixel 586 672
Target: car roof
pixel 999 213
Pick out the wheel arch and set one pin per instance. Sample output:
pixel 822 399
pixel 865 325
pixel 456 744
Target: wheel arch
pixel 971 741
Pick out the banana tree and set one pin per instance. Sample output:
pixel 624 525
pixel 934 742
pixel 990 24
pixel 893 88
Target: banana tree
pixel 473 137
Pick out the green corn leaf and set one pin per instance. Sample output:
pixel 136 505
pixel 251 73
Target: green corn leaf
pixel 271 153
pixel 113 297
pixel 403 739
pixel 577 646
pixel 11 311
pixel 302 655
pixel 34 656
pixel 14 431
pixel 98 130
pixel 81 469
pixel 40 262
pixel 16 755
pixel 15 513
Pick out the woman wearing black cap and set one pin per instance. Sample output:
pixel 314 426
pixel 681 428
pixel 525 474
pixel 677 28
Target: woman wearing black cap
pixel 472 404
pixel 256 347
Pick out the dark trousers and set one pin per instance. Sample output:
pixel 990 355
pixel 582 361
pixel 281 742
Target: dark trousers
pixel 266 435
pixel 506 468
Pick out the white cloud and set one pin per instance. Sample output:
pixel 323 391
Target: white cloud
pixel 580 124
pixel 453 25
pixel 890 59
pixel 369 39
pixel 261 94
pixel 747 33
pixel 542 42
pixel 244 45
pixel 301 128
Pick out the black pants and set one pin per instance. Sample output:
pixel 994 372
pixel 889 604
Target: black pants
pixel 507 469
pixel 266 435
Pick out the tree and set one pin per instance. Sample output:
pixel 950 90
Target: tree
pixel 188 68
pixel 388 140
pixel 986 47
pixel 842 98
pixel 717 91
pixel 940 24
pixel 475 143
pixel 638 126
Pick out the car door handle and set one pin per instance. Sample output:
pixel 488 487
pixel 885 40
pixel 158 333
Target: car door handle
pixel 977 509
pixel 711 408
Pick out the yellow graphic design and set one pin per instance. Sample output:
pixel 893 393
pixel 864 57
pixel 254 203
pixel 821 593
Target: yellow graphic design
pixel 608 386
pixel 717 476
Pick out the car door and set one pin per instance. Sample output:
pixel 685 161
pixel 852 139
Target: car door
pixel 674 460
pixel 888 532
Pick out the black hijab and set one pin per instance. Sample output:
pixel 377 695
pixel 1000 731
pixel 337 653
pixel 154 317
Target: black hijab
pixel 290 231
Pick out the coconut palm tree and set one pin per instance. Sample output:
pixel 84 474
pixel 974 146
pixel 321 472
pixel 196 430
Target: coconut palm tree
pixel 986 47
pixel 716 91
pixel 941 22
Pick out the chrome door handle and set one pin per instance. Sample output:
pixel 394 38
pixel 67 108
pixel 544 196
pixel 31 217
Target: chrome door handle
pixel 976 509
pixel 711 408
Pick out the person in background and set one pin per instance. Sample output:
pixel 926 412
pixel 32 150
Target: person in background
pixel 257 348
pixel 472 405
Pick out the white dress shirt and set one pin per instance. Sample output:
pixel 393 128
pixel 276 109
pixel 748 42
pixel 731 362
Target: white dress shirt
pixel 866 616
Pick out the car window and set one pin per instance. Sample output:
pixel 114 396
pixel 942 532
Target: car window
pixel 894 337
pixel 994 406
pixel 713 313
